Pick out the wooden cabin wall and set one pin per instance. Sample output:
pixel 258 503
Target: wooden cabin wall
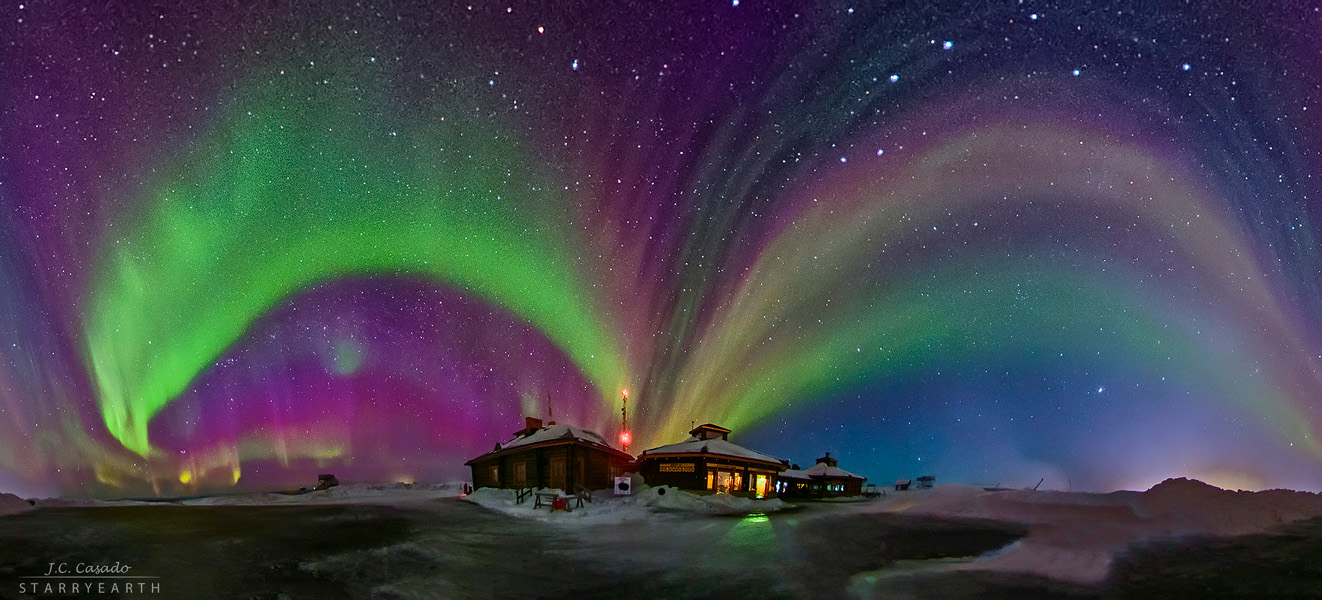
pixel 589 467
pixel 597 470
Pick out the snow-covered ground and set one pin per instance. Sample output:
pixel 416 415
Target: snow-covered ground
pixel 1075 537
pixel 1071 537
pixel 647 502
pixel 10 504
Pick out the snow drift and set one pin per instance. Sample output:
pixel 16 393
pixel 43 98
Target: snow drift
pixel 1076 536
pixel 608 508
pixel 11 504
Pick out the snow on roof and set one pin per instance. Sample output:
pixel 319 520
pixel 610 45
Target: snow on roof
pixel 719 447
pixel 547 434
pixel 820 469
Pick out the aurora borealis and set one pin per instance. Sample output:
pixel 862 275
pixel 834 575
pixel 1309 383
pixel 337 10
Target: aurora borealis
pixel 992 242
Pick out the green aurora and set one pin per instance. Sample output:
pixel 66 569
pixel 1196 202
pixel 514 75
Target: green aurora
pixel 279 198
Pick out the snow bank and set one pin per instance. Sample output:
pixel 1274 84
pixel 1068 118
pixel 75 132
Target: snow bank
pixel 604 508
pixel 1189 506
pixel 1172 507
pixel 11 504
pixel 1076 536
pixel 647 503
pixel 666 498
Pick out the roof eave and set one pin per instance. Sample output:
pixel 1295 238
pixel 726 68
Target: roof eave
pixel 557 441
pixel 645 454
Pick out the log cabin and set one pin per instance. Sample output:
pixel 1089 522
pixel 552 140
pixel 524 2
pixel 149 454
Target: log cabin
pixel 551 456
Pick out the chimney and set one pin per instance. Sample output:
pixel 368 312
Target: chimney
pixel 530 426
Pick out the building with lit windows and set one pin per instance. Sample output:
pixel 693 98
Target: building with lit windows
pixel 822 480
pixel 709 461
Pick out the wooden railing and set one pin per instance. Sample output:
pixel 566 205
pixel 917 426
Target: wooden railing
pixel 522 495
pixel 583 492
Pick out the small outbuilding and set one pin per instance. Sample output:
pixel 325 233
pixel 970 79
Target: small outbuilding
pixel 551 456
pixel 902 484
pixel 822 480
pixel 709 461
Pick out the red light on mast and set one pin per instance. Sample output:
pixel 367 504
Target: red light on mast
pixel 625 437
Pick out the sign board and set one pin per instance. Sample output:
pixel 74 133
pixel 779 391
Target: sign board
pixel 623 486
pixel 675 467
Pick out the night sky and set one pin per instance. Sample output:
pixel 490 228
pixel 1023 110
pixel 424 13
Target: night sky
pixel 993 243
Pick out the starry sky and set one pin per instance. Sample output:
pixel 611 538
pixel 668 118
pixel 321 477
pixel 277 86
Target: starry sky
pixel 996 242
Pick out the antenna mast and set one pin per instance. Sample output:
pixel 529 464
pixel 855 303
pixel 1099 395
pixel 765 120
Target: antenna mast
pixel 625 437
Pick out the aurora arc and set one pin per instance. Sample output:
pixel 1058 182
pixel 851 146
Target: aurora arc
pixel 288 200
pixel 815 345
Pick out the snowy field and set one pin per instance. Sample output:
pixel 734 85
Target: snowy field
pixel 429 541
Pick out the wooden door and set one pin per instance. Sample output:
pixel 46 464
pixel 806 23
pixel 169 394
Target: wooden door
pixel 558 472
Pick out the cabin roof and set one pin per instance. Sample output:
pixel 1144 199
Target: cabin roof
pixel 556 432
pixel 820 470
pixel 713 446
pixel 553 434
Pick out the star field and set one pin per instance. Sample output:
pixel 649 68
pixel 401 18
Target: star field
pixel 992 243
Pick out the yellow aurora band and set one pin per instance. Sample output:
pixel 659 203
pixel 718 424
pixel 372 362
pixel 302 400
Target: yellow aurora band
pixel 809 320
